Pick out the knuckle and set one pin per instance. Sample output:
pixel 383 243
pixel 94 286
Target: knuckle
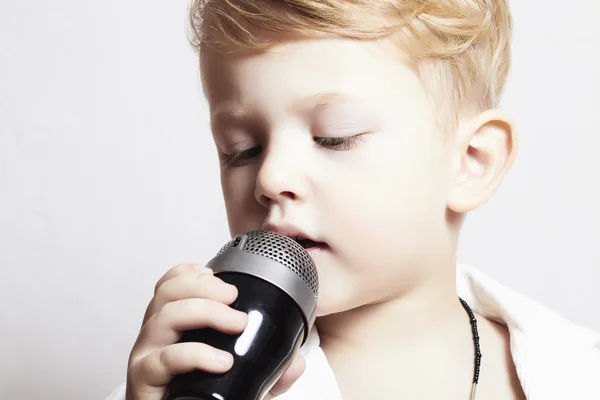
pixel 177 270
pixel 145 371
pixel 157 286
pixel 208 287
pixel 166 312
pixel 150 310
pixel 161 291
pixel 163 358
pixel 205 278
pixel 138 370
pixel 186 269
pixel 167 309
pixel 160 284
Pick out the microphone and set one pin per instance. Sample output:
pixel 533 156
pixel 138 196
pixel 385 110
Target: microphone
pixel 278 288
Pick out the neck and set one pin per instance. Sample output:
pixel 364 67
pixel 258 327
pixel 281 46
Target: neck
pixel 406 320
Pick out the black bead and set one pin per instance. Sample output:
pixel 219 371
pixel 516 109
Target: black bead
pixel 475 333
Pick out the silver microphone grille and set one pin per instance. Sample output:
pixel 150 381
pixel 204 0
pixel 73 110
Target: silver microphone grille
pixel 281 249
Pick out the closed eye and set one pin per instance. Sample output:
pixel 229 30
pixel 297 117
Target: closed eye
pixel 338 143
pixel 241 158
pixel 244 157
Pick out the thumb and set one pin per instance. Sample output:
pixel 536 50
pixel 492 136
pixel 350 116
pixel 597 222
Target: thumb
pixel 289 377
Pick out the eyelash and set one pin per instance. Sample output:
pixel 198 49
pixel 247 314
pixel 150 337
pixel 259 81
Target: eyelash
pixel 244 157
pixel 338 143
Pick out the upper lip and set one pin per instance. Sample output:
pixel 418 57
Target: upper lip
pixel 288 230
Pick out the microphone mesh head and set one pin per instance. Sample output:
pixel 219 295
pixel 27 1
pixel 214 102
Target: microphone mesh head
pixel 283 250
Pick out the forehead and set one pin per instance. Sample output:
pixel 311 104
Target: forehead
pixel 308 69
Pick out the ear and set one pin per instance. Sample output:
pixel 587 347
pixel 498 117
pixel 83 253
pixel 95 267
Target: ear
pixel 486 149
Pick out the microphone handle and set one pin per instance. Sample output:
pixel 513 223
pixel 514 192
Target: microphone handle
pixel 260 353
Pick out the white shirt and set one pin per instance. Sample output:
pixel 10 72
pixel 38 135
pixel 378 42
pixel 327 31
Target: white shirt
pixel 554 358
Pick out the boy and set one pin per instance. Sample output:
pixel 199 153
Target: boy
pixel 371 128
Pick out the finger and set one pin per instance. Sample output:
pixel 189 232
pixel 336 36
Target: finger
pixel 178 270
pixel 160 366
pixel 164 327
pixel 203 285
pixel 181 269
pixel 289 377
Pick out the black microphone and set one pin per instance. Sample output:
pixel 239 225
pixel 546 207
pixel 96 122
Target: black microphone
pixel 278 288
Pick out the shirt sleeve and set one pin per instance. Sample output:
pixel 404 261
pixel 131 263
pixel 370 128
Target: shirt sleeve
pixel 118 393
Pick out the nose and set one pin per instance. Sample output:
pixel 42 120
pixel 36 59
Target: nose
pixel 282 176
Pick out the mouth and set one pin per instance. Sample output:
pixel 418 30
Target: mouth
pixel 308 244
pixel 298 236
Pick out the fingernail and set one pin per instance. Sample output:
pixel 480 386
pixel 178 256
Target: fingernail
pixel 223 359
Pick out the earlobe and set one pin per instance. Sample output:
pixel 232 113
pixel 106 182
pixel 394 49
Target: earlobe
pixel 487 148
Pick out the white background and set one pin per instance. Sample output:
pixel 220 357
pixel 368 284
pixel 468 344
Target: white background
pixel 108 177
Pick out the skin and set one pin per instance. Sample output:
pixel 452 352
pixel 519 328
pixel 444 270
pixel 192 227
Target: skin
pixel 340 139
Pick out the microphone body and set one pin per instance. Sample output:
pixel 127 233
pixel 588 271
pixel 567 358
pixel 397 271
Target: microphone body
pixel 278 289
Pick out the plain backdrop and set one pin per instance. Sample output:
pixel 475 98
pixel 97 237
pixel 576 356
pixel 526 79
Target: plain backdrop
pixel 108 178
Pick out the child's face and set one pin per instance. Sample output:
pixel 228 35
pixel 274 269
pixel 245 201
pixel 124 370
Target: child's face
pixel 378 201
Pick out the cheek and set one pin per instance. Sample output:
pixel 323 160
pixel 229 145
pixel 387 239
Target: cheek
pixel 391 180
pixel 238 194
pixel 389 203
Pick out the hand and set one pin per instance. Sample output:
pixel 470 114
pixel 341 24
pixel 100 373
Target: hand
pixel 188 297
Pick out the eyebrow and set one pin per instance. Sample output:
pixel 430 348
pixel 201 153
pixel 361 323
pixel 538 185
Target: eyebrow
pixel 324 99
pixel 230 111
pixel 328 98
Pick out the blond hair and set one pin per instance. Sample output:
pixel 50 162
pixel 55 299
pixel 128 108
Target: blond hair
pixel 461 48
